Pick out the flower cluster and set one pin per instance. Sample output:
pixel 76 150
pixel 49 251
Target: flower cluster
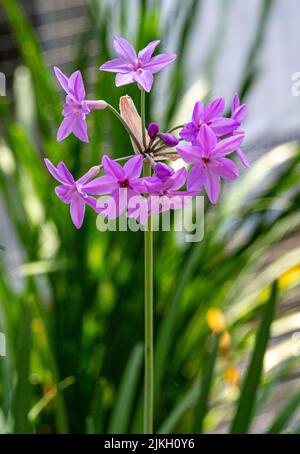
pixel 204 143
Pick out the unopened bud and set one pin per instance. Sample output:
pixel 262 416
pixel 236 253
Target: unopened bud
pixel 168 139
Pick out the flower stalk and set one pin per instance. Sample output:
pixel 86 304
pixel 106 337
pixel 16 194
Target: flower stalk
pixel 148 260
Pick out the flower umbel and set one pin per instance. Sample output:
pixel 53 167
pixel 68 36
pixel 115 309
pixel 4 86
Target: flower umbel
pixel 136 68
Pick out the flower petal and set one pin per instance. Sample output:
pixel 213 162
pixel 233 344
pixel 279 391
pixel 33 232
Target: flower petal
pixel 189 132
pixel 80 128
pixel 235 102
pixel 225 168
pixel 145 54
pixel 195 179
pixel 133 167
pixel 242 157
pixel 115 66
pixel 77 210
pixel 198 112
pixel 65 192
pixel 65 129
pixel 124 79
pixel 92 202
pixel 223 126
pixel 101 185
pixel 214 109
pixel 113 169
pixel 227 146
pixel 63 170
pixel 116 203
pixel 124 49
pixel 206 140
pixel 88 176
pixel 76 86
pixel 177 180
pixel 212 184
pixel 159 62
pixel 190 153
pixel 56 173
pixel 144 79
pixel 240 113
pixel 62 78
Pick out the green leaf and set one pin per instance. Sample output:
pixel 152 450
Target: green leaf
pixel 23 387
pixel 207 380
pixel 285 414
pixel 120 418
pixel 246 403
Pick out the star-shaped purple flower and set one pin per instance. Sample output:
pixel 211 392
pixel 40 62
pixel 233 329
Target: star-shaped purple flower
pixel 210 115
pixel 209 161
pixel 76 107
pixel 133 68
pixel 75 193
pixel 121 183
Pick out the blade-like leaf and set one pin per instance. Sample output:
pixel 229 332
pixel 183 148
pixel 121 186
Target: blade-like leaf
pixel 246 403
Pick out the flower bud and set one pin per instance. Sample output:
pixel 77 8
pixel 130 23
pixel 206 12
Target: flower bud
pixel 168 139
pixel 163 171
pixel 153 130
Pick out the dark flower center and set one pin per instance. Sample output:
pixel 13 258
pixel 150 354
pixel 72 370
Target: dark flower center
pixel 205 160
pixel 124 184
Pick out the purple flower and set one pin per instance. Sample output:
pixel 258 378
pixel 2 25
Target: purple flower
pixel 76 108
pixel 153 130
pixel 163 187
pixel 121 183
pixel 75 193
pixel 209 161
pixel 131 68
pixel 238 113
pixel 168 139
pixel 211 116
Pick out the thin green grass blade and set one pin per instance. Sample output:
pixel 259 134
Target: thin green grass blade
pixel 208 371
pixel 185 404
pixel 121 415
pixel 23 387
pixel 281 420
pixel 246 403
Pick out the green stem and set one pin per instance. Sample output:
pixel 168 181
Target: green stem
pixel 119 117
pixel 148 400
pixel 143 115
pixel 175 128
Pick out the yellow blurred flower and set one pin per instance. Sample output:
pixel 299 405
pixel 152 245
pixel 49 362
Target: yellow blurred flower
pixel 215 320
pixel 225 343
pixel 232 375
pixel 290 276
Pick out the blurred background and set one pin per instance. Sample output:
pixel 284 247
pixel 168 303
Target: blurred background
pixel 227 317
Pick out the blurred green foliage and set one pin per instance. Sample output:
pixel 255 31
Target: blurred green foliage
pixel 73 312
